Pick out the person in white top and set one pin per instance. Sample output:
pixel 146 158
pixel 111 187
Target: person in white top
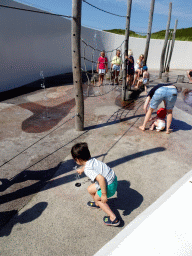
pixel 104 178
pixel 138 68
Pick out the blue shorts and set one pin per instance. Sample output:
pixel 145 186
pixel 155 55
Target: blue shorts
pixel 111 189
pixel 116 67
pixel 169 95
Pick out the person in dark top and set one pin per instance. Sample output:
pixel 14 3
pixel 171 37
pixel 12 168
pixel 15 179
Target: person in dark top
pixel 130 64
pixel 159 93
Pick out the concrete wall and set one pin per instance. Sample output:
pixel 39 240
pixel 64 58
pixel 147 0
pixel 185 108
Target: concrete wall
pixel 32 42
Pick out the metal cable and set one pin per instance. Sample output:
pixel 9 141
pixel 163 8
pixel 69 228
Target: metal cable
pixel 104 10
pixel 102 49
pixel 26 10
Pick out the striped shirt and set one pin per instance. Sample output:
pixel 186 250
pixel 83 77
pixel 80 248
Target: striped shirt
pixel 94 167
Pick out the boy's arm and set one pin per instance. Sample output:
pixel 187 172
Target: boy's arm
pixel 97 66
pixel 81 170
pixel 102 185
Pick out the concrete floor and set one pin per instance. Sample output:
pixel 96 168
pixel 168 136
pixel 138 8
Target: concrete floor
pixel 37 177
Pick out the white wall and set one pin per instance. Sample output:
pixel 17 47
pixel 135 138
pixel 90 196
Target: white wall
pixel 31 42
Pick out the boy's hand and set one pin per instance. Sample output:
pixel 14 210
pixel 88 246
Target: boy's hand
pixel 80 170
pixel 104 198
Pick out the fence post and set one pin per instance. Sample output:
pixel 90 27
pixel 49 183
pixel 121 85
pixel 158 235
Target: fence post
pixel 76 63
pixel 172 45
pixel 167 52
pixel 165 42
pixel 124 87
pixel 149 31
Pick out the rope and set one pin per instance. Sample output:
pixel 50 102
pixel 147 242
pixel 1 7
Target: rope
pixel 26 10
pixel 103 10
pixel 102 49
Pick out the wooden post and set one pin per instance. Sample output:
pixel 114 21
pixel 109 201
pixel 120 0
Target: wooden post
pixel 76 64
pixel 167 52
pixel 172 45
pixel 124 87
pixel 165 42
pixel 149 31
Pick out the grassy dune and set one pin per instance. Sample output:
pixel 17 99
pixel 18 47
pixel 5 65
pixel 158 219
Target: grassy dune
pixel 184 34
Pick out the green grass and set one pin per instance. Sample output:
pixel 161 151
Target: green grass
pixel 184 34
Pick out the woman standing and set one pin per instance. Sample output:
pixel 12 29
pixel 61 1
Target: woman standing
pixel 159 93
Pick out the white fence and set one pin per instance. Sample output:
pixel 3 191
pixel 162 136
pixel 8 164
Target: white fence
pixel 32 42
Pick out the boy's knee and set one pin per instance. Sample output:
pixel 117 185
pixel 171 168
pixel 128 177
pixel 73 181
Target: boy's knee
pixel 89 190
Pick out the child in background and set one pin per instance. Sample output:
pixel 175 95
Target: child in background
pixel 104 178
pixel 138 68
pixel 159 120
pixel 130 66
pixel 116 66
pixel 102 67
pixel 145 80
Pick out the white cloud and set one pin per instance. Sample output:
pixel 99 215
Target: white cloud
pixel 179 9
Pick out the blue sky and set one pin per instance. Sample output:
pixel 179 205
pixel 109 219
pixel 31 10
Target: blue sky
pixel 91 17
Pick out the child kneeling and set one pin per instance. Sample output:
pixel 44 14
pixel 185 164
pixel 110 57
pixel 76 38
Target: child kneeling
pixel 104 177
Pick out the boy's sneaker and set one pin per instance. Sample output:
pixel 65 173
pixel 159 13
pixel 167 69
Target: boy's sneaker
pixel 92 204
pixel 108 222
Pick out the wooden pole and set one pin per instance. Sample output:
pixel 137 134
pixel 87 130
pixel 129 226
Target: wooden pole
pixel 172 45
pixel 149 31
pixel 124 87
pixel 165 42
pixel 167 52
pixel 76 64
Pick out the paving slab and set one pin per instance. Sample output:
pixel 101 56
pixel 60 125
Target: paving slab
pixel 38 179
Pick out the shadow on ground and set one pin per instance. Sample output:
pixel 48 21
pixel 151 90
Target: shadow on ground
pixel 25 217
pixel 112 122
pixel 125 159
pixel 127 200
pixel 44 177
pixel 177 125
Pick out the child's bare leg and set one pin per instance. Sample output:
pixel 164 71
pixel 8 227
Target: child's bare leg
pixel 92 190
pixel 135 78
pixel 114 74
pixel 116 80
pixel 147 116
pixel 139 83
pixel 105 207
pixel 99 81
pixel 152 127
pixel 102 77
